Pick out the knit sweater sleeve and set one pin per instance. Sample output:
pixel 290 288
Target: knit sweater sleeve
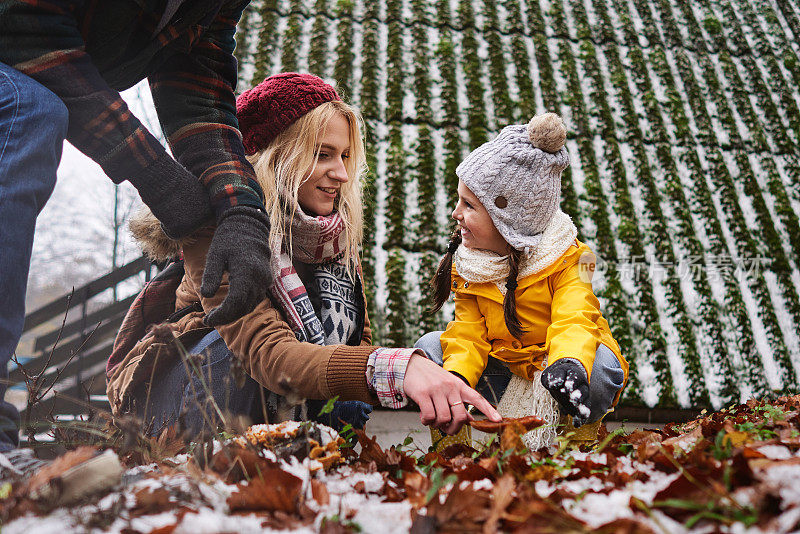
pixel 574 331
pixel 465 342
pixel 194 97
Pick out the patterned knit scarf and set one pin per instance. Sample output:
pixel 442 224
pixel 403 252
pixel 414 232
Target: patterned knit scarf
pixel 320 242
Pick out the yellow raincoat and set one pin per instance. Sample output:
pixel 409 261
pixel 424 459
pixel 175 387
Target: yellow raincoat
pixel 557 309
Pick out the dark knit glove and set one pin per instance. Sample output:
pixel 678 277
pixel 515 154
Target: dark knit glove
pixel 174 195
pixel 354 413
pixel 240 247
pixel 566 381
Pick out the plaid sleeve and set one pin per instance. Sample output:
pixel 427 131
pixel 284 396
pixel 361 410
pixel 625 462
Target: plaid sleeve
pixel 51 50
pixel 194 97
pixel 386 370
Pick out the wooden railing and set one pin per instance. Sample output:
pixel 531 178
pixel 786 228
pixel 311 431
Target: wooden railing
pixel 70 345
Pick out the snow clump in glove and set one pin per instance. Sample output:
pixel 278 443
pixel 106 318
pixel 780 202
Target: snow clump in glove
pixel 567 382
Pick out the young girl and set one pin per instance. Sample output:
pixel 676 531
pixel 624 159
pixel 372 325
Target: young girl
pixel 310 338
pixel 524 303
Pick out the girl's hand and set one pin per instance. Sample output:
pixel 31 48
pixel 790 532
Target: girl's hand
pixel 566 381
pixel 441 395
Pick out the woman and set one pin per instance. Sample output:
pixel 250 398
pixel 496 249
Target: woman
pixel 311 338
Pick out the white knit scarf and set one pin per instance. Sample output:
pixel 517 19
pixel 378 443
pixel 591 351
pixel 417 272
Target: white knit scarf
pixel 529 397
pixel 484 266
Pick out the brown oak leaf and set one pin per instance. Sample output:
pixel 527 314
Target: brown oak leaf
pixel 273 490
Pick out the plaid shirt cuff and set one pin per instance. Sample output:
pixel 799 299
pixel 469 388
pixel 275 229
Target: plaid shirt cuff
pixel 386 370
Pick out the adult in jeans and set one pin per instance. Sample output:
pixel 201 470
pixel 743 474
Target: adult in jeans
pixel 33 122
pixel 311 339
pixel 62 65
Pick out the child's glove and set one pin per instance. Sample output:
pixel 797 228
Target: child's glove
pixel 567 383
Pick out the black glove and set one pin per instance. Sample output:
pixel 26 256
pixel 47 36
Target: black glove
pixel 175 196
pixel 566 381
pixel 240 247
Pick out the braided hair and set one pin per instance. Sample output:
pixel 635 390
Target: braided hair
pixel 510 300
pixel 440 283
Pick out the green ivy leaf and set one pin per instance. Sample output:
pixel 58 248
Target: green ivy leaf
pixel 328 408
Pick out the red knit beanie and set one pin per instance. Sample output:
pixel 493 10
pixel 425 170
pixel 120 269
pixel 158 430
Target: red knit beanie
pixel 273 105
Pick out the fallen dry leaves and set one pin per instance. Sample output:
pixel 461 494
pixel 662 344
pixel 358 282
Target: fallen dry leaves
pixel 273 490
pixel 722 469
pixel 510 430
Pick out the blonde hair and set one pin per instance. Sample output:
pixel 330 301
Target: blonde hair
pixel 283 165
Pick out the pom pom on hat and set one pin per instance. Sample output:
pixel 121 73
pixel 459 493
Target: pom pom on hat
pixel 547 132
pixel 276 103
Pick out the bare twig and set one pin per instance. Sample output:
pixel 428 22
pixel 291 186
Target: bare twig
pixel 60 371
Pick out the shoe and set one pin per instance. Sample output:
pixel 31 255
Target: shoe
pixel 99 473
pixel 19 463
pixel 65 480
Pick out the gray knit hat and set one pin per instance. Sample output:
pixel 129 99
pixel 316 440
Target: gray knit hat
pixel 517 177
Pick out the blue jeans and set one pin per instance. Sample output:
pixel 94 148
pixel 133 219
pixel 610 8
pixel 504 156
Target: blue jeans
pixel 177 394
pixel 33 124
pixel 607 375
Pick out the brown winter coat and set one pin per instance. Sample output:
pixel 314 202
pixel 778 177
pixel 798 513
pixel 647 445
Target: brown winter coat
pixel 266 345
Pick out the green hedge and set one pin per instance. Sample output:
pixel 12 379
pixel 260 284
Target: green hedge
pixel 503 107
pixel 292 36
pixel 745 244
pixel 471 64
pixel 370 109
pixel 446 60
pixel 519 55
pixel 266 40
pixel 721 66
pixel 428 231
pixel 628 230
pixel 318 51
pixel 345 56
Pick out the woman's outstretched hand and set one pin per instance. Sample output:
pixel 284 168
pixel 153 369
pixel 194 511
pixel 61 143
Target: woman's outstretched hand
pixel 441 395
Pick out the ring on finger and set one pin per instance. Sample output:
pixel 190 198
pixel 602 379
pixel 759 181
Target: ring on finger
pixel 456 403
